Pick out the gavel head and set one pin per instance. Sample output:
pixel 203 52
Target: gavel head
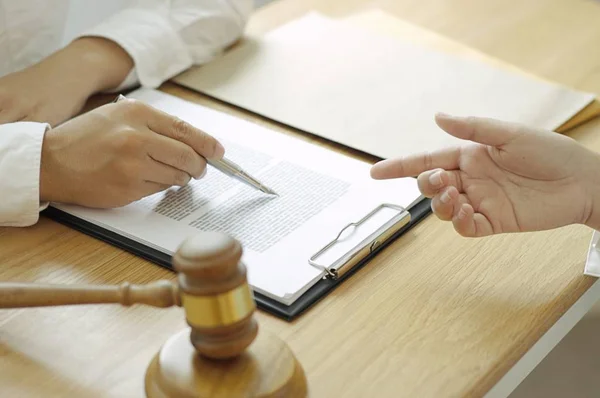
pixel 215 295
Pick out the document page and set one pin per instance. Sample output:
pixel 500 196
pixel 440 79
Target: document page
pixel 374 91
pixel 320 192
pixel 219 203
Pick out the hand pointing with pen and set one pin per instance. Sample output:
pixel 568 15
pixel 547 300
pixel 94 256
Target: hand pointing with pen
pixel 508 178
pixel 119 153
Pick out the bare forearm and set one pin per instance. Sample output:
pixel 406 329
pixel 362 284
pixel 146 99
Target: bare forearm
pixel 96 64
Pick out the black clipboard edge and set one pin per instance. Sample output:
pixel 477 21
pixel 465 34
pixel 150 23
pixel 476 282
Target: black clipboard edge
pixel 313 295
pixel 316 293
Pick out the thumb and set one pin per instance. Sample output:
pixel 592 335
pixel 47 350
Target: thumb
pixel 482 130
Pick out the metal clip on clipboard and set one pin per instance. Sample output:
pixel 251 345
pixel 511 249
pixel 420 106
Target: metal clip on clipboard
pixel 367 246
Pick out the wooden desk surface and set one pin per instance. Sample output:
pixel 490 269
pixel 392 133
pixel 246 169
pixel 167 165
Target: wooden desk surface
pixel 433 315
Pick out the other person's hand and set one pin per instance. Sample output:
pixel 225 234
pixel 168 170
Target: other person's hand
pixel 510 178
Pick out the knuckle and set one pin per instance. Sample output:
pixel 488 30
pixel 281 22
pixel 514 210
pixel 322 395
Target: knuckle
pixel 184 160
pixel 456 180
pixel 129 142
pixel 400 168
pixel 131 106
pixel 208 146
pixel 428 161
pixel 181 130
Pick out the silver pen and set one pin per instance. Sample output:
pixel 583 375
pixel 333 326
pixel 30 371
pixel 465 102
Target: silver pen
pixel 231 169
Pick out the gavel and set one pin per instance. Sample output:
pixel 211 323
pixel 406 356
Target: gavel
pixel 219 355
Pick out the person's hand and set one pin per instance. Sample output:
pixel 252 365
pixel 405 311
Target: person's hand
pixel 57 88
pixel 512 178
pixel 120 153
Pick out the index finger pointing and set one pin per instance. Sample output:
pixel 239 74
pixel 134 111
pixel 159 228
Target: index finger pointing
pixel 413 165
pixel 180 130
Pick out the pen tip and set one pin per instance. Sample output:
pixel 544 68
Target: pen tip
pixel 270 191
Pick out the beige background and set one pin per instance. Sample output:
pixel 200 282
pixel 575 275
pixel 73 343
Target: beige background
pixel 572 369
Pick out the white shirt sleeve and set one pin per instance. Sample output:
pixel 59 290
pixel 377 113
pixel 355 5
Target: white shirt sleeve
pixel 164 38
pixel 20 156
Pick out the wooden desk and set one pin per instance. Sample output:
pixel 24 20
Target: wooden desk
pixel 434 315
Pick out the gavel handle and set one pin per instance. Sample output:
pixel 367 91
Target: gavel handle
pixel 158 294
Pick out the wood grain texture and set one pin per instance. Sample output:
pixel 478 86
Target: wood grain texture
pixel 267 369
pixel 433 315
pixel 160 294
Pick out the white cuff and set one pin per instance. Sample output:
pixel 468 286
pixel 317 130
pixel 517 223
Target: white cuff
pixel 20 158
pixel 155 47
pixel 592 265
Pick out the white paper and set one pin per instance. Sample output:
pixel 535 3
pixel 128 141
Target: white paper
pixel 321 192
pixel 372 92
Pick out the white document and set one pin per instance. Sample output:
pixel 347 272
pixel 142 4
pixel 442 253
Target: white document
pixel 320 192
pixel 372 92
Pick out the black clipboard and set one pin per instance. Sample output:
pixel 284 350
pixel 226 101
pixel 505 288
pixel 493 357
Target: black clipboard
pixel 287 312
